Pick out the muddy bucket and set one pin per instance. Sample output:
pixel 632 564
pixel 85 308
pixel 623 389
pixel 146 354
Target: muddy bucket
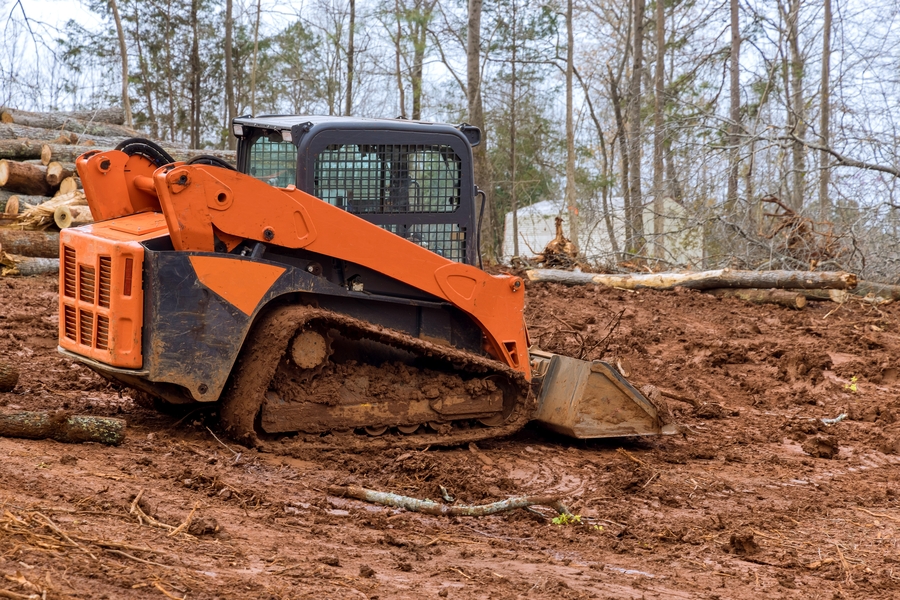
pixel 585 399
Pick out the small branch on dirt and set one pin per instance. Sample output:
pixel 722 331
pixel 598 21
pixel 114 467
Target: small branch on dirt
pixel 837 419
pixel 140 560
pixel 224 445
pixel 15 596
pixel 687 400
pixel 434 508
pixel 187 522
pixel 631 457
pixel 880 516
pixel 142 516
pixel 844 563
pixel 63 535
pixel 167 594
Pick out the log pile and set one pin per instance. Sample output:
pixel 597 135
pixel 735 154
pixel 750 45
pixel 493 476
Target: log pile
pixel 40 190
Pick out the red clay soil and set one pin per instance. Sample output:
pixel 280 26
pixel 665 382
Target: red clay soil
pixel 758 498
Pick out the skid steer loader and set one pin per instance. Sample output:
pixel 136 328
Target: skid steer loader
pixel 328 283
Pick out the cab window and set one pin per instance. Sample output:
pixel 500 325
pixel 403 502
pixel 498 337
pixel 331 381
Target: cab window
pixel 274 160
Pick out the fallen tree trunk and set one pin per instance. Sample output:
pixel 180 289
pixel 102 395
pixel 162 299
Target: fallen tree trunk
pixel 65 153
pixel 25 178
pixel 786 298
pixel 62 427
pixel 703 280
pixel 13 264
pixel 36 244
pixel 9 376
pixel 882 290
pixel 64 122
pixel 430 507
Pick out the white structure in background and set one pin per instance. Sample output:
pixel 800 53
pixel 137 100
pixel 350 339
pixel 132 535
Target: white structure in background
pixel 682 240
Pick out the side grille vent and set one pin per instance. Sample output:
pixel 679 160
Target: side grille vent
pixel 105 281
pixel 102 332
pixel 69 271
pixel 70 322
pixel 87 327
pixel 86 291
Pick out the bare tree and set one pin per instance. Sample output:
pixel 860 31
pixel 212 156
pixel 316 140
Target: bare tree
pixel 658 132
pixel 571 200
pixel 123 50
pixel 825 115
pixel 635 226
pixel 735 106
pixel 476 112
pixel 350 57
pixel 229 72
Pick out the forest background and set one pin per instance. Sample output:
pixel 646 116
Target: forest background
pixel 774 123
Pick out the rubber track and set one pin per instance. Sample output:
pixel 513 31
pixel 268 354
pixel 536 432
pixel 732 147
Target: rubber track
pixel 268 342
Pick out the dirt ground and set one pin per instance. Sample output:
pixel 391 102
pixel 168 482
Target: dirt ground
pixel 756 499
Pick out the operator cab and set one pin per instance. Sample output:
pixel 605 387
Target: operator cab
pixel 411 178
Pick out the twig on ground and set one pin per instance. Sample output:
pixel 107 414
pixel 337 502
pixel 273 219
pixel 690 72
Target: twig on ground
pixel 434 508
pixel 880 516
pixel 140 560
pixel 837 419
pixel 187 522
pixel 843 563
pixel 15 596
pixel 224 445
pixel 65 536
pixel 631 457
pixel 168 595
pixel 142 516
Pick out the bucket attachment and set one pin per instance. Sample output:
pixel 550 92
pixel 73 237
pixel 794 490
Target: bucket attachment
pixel 584 399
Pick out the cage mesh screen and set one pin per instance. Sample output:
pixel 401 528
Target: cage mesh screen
pixel 446 239
pixel 274 162
pixel 389 179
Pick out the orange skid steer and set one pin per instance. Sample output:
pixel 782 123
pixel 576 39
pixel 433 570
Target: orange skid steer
pixel 328 283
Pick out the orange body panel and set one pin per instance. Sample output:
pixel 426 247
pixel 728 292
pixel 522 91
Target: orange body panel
pixel 199 200
pixel 239 282
pixel 101 300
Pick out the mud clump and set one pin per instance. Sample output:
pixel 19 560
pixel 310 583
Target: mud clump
pixel 742 544
pixel 821 446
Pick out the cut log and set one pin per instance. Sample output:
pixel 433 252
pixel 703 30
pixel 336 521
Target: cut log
pixel 25 201
pixel 11 131
pixel 66 216
pixel 69 185
pixel 786 298
pixel 62 427
pixel 42 215
pixel 25 178
pixel 64 122
pixel 12 206
pixel 114 115
pixel 881 290
pixel 36 244
pixel 9 376
pixel 703 280
pixel 56 172
pixel 13 264
pixel 839 296
pixel 21 149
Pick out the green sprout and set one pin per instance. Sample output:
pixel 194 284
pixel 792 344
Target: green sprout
pixel 566 519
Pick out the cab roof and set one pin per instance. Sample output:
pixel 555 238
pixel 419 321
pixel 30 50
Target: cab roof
pixel 309 123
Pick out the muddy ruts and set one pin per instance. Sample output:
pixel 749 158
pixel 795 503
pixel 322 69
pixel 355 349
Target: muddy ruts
pixel 268 343
pixel 62 427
